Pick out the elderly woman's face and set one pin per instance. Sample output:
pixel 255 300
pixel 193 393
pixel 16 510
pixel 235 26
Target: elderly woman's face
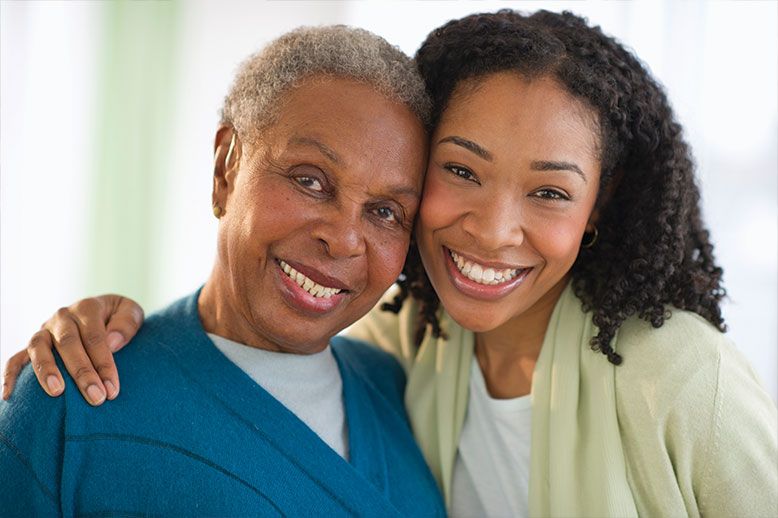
pixel 318 213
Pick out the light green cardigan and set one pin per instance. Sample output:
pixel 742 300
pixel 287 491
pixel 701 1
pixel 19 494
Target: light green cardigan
pixel 681 428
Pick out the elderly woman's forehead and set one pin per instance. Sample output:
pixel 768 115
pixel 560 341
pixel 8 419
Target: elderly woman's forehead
pixel 265 77
pixel 326 103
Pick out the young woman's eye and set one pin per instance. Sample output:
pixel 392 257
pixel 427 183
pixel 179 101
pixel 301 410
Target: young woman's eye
pixel 551 194
pixel 462 172
pixel 309 182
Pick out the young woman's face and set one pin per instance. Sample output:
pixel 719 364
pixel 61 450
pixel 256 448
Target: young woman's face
pixel 510 189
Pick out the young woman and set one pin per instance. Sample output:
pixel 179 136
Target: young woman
pixel 558 315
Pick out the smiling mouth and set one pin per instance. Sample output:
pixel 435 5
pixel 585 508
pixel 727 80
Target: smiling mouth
pixel 483 274
pixel 307 284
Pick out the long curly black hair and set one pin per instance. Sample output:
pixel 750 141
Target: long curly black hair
pixel 653 250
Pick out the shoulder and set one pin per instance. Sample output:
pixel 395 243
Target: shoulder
pixel 685 391
pixel 392 332
pixel 30 410
pixel 150 365
pixel 376 367
pixel 162 333
pixel 682 375
pixel 31 448
pixel 685 344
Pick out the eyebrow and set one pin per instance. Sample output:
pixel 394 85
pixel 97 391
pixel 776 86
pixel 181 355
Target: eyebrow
pixel 555 165
pixel 323 148
pixel 469 145
pixel 402 190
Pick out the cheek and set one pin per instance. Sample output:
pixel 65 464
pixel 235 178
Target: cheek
pixel 257 217
pixel 386 260
pixel 438 208
pixel 557 238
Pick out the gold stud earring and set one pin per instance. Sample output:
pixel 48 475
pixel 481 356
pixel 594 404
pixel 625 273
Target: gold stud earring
pixel 217 211
pixel 593 239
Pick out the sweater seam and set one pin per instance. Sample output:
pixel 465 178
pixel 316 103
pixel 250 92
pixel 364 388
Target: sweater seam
pixel 713 439
pixel 28 465
pixel 100 437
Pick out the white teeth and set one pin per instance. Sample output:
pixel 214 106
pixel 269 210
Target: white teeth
pixel 315 289
pixel 483 274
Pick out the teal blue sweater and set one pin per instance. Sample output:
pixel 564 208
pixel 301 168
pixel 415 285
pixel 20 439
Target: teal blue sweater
pixel 192 434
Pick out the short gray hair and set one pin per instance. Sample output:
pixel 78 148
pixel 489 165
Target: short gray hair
pixel 336 50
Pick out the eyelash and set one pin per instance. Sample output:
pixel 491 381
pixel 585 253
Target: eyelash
pixel 462 172
pixel 394 217
pixel 304 182
pixel 551 194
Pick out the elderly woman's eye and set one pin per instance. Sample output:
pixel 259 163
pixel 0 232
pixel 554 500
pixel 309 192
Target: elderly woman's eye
pixel 551 194
pixel 387 214
pixel 309 182
pixel 462 172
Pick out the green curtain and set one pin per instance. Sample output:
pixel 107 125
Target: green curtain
pixel 135 96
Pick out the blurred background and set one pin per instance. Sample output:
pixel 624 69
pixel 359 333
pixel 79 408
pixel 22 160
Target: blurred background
pixel 108 111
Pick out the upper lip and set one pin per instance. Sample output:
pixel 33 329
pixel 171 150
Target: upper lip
pixel 317 276
pixel 497 265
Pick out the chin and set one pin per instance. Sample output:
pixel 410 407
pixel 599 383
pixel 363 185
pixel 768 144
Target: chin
pixel 475 321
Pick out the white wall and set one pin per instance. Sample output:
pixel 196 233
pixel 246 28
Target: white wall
pixel 718 61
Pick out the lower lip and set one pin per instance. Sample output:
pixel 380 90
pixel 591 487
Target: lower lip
pixel 301 300
pixel 477 290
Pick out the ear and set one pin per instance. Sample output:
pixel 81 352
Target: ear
pixel 227 150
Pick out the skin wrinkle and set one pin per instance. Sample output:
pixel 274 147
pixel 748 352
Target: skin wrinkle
pixel 294 203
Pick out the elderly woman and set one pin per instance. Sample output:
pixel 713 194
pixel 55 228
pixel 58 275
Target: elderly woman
pixel 560 215
pixel 237 403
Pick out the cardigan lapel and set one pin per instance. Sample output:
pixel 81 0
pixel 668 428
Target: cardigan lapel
pixel 367 451
pixel 577 461
pixel 358 488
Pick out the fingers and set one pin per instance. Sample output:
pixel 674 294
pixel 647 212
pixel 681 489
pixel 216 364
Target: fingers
pixel 88 315
pixel 64 329
pixel 85 335
pixel 43 364
pixel 124 318
pixel 12 369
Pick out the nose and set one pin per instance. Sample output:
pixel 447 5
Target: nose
pixel 341 234
pixel 496 223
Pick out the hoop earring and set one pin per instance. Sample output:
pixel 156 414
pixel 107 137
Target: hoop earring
pixel 593 239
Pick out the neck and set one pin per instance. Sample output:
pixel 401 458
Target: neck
pixel 222 314
pixel 507 354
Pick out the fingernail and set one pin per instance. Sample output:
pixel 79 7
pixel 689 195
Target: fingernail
pixel 109 387
pixel 54 385
pixel 137 315
pixel 115 339
pixel 95 395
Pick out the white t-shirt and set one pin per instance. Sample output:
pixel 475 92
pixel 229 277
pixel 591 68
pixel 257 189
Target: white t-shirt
pixel 309 385
pixel 491 473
